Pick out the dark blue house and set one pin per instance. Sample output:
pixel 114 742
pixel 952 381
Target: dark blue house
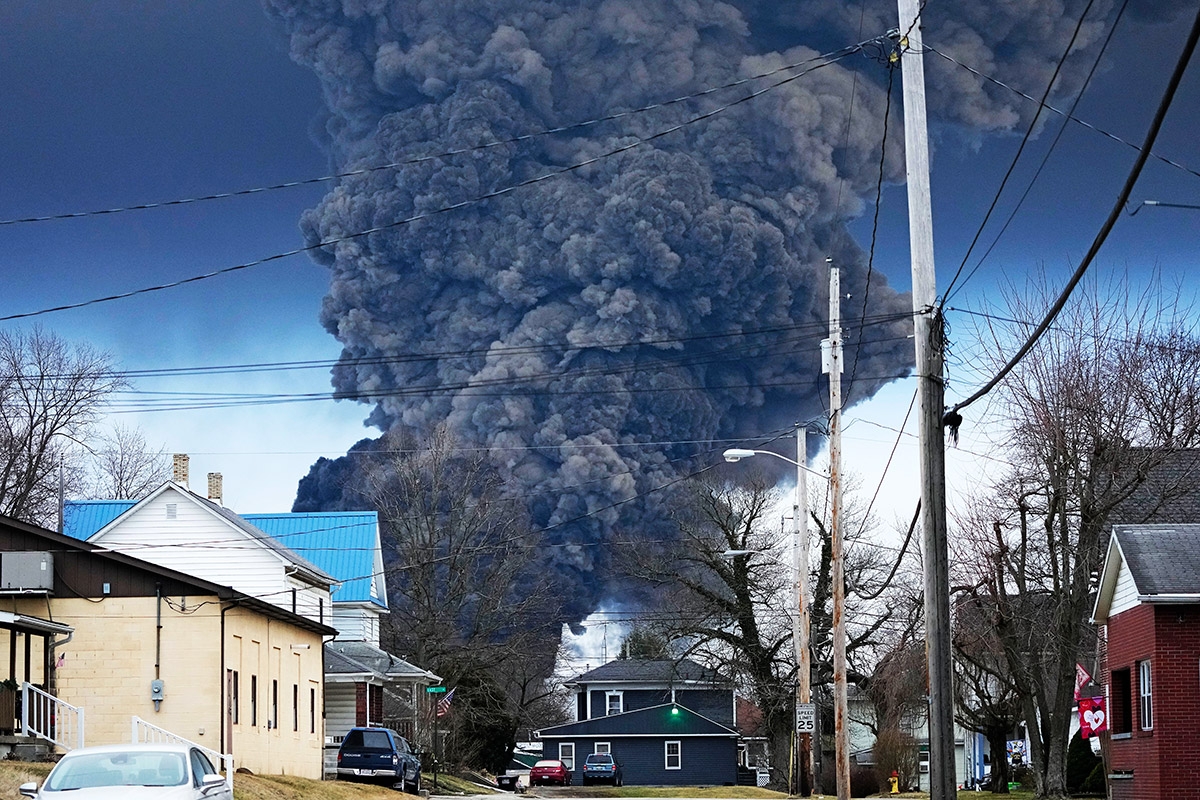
pixel 665 723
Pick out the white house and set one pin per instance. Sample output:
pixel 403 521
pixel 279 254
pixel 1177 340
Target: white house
pixel 327 566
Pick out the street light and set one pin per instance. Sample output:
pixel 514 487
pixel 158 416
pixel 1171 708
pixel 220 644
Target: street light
pixel 801 621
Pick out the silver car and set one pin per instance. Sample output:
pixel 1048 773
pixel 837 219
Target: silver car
pixel 131 771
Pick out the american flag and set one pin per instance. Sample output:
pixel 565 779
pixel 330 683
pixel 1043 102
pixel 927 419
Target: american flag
pixel 443 705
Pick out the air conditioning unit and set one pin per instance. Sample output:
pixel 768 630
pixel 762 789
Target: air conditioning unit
pixel 26 572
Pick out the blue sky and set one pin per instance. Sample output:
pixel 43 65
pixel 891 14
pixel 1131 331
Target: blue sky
pixel 116 103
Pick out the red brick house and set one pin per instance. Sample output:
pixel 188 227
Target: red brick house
pixel 1149 606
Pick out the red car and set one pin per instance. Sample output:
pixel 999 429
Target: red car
pixel 549 772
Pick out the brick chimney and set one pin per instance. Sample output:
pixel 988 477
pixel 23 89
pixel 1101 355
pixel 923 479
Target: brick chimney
pixel 179 464
pixel 215 487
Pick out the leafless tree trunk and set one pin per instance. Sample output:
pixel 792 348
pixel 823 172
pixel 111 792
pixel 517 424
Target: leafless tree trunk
pixel 467 598
pixel 735 611
pixel 1110 392
pixel 51 395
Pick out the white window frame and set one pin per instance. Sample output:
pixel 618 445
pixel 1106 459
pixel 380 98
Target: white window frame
pixel 1145 696
pixel 566 754
pixel 678 755
pixel 608 703
pixel 603 748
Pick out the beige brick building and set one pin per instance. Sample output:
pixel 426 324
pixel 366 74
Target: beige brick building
pixel 239 675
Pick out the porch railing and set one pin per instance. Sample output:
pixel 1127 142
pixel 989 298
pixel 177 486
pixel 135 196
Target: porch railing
pixel 150 733
pixel 45 716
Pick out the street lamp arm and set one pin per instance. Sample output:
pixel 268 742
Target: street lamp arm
pixel 735 454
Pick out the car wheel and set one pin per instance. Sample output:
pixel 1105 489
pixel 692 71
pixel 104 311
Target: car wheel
pixel 413 786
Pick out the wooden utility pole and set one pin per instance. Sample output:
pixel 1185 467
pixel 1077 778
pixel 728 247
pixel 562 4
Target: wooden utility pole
pixel 801 624
pixel 931 396
pixel 833 365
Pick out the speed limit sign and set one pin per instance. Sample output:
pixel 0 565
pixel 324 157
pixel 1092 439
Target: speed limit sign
pixel 806 718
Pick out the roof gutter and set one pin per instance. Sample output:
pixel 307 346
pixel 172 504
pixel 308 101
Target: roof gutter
pixel 1170 599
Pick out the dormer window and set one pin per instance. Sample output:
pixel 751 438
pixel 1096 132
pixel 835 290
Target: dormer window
pixel 615 704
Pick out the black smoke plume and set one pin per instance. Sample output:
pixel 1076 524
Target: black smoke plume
pixel 591 328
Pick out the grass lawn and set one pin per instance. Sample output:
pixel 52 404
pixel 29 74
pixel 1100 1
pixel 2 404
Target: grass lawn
pixel 282 787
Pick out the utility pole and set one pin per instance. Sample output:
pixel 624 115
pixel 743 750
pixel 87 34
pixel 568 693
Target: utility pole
pixel 833 365
pixel 801 623
pixel 931 395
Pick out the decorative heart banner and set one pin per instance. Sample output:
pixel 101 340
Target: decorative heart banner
pixel 1092 716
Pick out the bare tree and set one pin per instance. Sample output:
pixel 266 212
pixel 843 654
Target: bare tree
pixel 126 467
pixel 1109 393
pixel 468 600
pixel 735 611
pixel 987 697
pixel 51 395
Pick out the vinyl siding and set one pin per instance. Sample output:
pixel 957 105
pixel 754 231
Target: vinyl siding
pixel 339 709
pixel 707 761
pixel 1125 593
pixel 198 543
pixel 716 704
pixel 356 623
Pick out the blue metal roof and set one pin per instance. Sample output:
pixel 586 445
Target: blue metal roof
pixel 82 518
pixel 341 543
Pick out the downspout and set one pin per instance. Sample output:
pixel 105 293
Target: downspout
pixel 224 675
pixel 157 629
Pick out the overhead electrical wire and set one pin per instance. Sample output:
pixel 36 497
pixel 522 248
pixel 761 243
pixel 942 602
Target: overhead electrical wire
pixel 1108 134
pixel 1122 198
pixel 1020 149
pixel 887 112
pixel 1045 156
pixel 445 154
pixel 491 195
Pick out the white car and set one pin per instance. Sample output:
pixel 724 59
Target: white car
pixel 132 771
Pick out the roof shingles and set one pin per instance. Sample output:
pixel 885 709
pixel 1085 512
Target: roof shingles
pixel 1163 559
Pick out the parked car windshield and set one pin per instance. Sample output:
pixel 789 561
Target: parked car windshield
pixel 599 758
pixel 142 768
pixel 548 764
pixel 367 740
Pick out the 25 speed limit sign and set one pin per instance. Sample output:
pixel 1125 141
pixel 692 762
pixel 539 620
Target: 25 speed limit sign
pixel 806 718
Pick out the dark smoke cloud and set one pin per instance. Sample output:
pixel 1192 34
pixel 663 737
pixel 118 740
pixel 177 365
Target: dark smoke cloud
pixel 722 228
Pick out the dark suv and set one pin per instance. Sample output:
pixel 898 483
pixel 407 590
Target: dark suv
pixel 378 755
pixel 602 767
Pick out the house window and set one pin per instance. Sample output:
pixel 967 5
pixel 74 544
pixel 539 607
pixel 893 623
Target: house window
pixel 674 756
pixel 566 754
pixel 296 707
pixel 234 699
pixel 1145 707
pixel 312 710
pixel 1121 697
pixel 273 720
pixel 615 705
pixel 603 748
pixel 253 699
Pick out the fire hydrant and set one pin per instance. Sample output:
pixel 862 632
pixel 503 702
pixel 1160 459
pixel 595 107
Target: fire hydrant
pixel 895 782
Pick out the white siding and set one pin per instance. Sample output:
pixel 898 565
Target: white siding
pixel 339 709
pixel 356 623
pixel 193 540
pixel 1125 593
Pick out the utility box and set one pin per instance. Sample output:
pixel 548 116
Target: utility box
pixel 26 572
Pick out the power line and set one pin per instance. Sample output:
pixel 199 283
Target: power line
pixel 637 142
pixel 437 156
pixel 1045 156
pixel 887 112
pixel 1021 148
pixel 1051 108
pixel 1143 154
